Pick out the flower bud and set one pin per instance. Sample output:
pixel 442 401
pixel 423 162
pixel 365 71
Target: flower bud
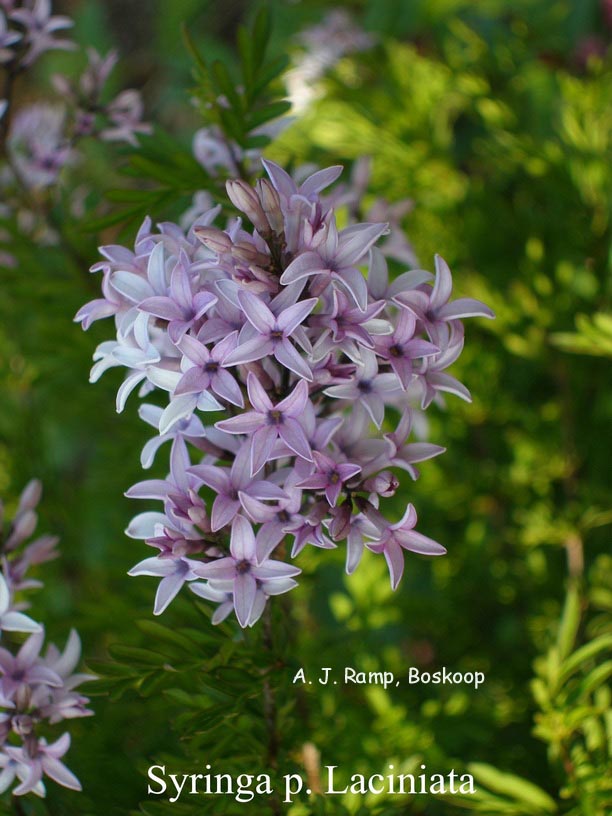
pixel 341 521
pixel 271 205
pixel 23 527
pixel 22 724
pixel 30 496
pixel 384 484
pixel 214 239
pixel 244 198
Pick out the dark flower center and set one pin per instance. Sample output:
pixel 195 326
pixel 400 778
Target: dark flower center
pixel 276 334
pixel 243 567
pixel 334 477
pixel 211 367
pixel 396 351
pixel 365 386
pixel 275 417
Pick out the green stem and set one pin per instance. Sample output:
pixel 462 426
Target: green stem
pixel 270 706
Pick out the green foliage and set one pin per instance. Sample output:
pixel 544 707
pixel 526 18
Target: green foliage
pixel 241 104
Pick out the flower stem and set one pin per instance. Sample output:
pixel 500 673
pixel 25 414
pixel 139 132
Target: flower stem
pixel 270 707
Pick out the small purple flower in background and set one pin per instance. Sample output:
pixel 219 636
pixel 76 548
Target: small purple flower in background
pixel 7 39
pixel 40 759
pixel 40 29
pixel 35 690
pixel 125 114
pixel 38 145
pixel 310 358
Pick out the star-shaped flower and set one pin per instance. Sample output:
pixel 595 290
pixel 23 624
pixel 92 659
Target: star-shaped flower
pixel 268 422
pixel 272 333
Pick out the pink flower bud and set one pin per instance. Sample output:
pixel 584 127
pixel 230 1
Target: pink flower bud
pixel 270 202
pixel 244 198
pixel 214 239
pixel 384 483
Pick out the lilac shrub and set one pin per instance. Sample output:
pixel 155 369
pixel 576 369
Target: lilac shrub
pixel 294 370
pixel 37 689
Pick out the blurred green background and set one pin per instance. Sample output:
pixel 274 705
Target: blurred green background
pixel 495 119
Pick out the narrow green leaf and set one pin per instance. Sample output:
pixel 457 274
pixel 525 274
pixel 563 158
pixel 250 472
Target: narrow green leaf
pixel 268 74
pixel 594 679
pixel 225 86
pixel 512 786
pixel 136 655
pixel 584 654
pixel 261 36
pixel 164 633
pixel 570 621
pixel 272 111
pixel 192 49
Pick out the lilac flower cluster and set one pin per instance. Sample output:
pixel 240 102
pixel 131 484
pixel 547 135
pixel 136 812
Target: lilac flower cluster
pixel 35 689
pixel 43 138
pixel 116 120
pixel 39 140
pixel 313 371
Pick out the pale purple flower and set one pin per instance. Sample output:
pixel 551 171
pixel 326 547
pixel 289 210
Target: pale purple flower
pixel 401 536
pixel 183 306
pixel 329 476
pixel 401 348
pixel 368 387
pixel 213 152
pixel 63 702
pixel 434 306
pixel 347 329
pixel 25 668
pixel 275 519
pixel 10 620
pixel 38 144
pixel 125 114
pixel 267 422
pixel 234 487
pixel 190 429
pixel 8 38
pixel 433 377
pixel 223 598
pixel 335 257
pixel 43 760
pixel 11 768
pixel 272 334
pixel 244 569
pixel 40 29
pixel 403 454
pixel 309 529
pixel 206 369
pixel 94 77
pixel 174 572
pixel 111 304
